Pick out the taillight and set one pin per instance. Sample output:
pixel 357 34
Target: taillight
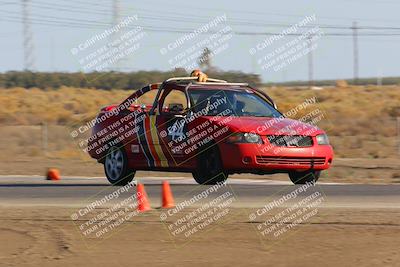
pixel 108 108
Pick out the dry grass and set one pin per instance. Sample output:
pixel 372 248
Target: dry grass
pixel 352 110
pixel 63 106
pixel 361 121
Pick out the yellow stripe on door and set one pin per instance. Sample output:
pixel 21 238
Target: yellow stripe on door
pixel 156 142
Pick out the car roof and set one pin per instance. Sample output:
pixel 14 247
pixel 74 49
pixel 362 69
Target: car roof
pixel 218 87
pixel 206 85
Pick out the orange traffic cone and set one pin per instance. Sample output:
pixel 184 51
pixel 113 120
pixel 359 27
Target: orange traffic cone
pixel 53 174
pixel 143 201
pixel 167 198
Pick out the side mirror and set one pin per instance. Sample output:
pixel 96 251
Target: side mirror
pixel 175 108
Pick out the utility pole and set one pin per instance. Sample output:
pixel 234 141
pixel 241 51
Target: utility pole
pixel 355 52
pixel 310 62
pixel 252 58
pixel 116 35
pixel 52 66
pixel 116 12
pixel 29 61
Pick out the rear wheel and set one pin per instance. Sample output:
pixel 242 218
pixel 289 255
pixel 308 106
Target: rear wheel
pixel 209 168
pixel 304 177
pixel 116 167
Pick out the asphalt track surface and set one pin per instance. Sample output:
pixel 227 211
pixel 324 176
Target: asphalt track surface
pixel 80 191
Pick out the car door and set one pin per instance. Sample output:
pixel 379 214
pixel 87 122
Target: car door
pixel 173 128
pixel 136 121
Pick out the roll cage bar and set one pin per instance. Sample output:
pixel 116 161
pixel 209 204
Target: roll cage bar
pixel 189 81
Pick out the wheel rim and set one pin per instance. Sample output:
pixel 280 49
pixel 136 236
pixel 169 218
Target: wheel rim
pixel 114 164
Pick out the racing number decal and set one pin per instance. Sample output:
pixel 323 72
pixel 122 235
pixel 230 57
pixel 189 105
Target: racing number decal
pixel 176 131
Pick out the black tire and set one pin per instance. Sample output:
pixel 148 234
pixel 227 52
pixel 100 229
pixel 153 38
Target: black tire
pixel 210 170
pixel 304 177
pixel 116 167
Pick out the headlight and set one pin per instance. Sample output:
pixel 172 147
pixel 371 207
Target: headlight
pixel 244 138
pixel 322 139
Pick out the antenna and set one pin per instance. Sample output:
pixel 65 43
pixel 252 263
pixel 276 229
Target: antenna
pixel 29 60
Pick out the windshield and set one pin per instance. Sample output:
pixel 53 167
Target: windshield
pixel 230 102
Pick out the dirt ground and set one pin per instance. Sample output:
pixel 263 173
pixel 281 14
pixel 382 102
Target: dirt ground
pixel 334 237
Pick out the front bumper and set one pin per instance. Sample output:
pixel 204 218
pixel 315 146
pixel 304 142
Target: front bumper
pixel 261 157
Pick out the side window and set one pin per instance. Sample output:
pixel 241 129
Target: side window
pixel 175 102
pixel 145 101
pixel 249 103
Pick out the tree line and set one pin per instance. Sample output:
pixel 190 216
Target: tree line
pixel 108 80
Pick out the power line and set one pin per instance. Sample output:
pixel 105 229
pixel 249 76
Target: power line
pixel 241 11
pixel 84 23
pixel 28 18
pixel 40 17
pixel 190 19
pixel 63 7
pixel 58 23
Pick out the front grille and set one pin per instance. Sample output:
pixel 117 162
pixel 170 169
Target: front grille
pixel 290 140
pixel 273 160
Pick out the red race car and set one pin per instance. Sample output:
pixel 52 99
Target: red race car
pixel 211 129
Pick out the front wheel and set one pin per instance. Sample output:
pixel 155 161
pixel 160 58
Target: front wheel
pixel 304 177
pixel 116 167
pixel 209 167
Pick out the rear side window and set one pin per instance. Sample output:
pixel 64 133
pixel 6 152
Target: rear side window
pixel 147 98
pixel 144 102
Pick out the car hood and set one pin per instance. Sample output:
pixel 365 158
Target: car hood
pixel 268 126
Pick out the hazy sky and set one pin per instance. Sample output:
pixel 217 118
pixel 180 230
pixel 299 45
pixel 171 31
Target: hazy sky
pixel 60 25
